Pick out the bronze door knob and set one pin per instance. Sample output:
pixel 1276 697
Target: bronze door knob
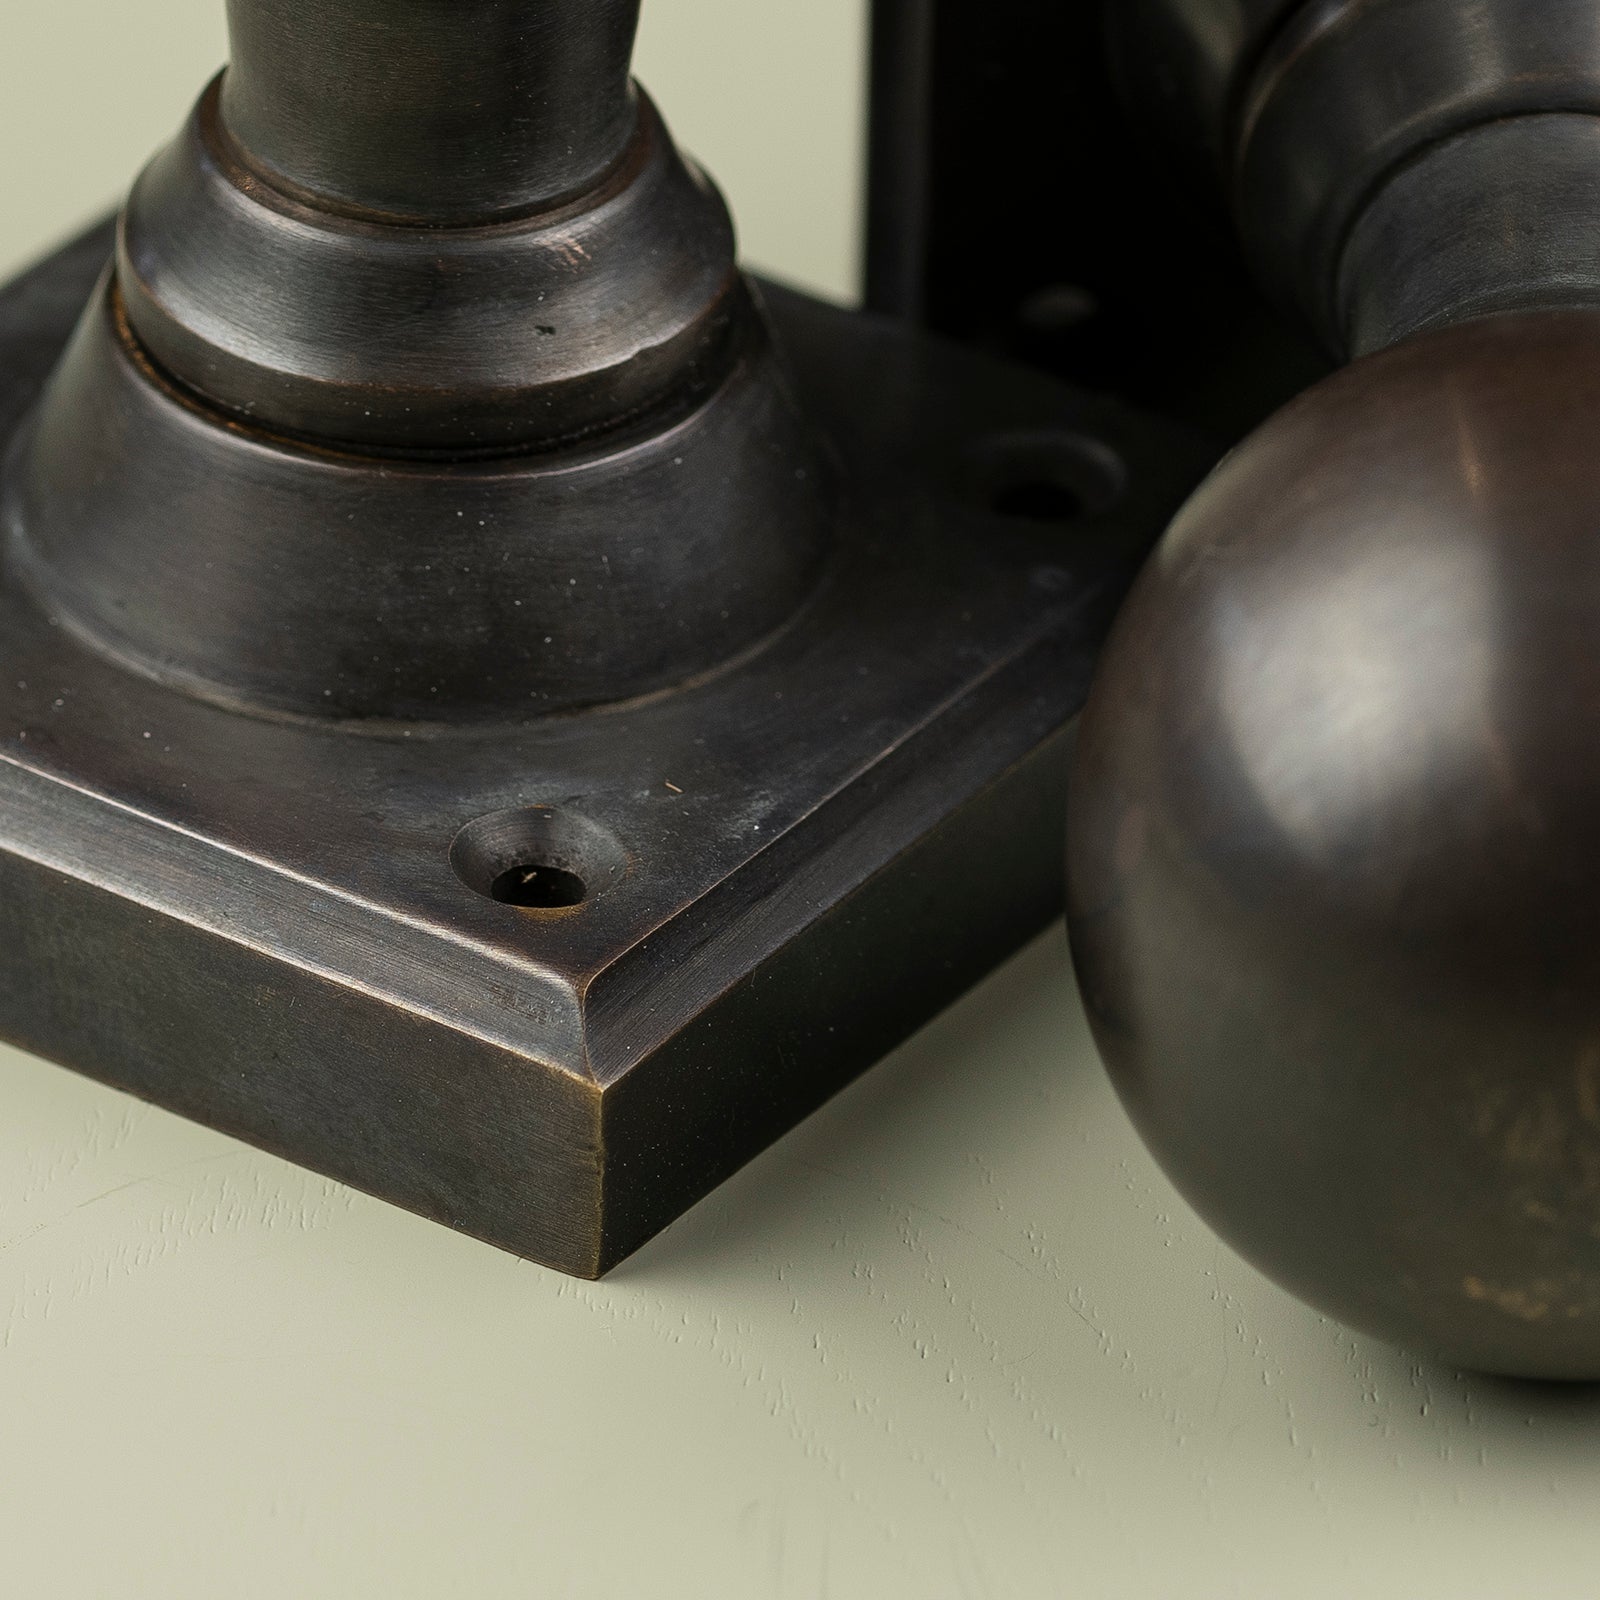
pixel 1334 857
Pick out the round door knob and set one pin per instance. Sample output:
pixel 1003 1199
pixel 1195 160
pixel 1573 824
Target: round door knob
pixel 1335 847
pixel 1334 831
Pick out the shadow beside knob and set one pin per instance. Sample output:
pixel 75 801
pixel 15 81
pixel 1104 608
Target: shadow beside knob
pixel 1334 846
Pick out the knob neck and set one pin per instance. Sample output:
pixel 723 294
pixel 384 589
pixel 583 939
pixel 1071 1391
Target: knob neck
pixel 431 111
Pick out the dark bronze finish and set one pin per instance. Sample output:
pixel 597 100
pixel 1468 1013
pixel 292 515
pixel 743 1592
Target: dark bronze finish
pixel 431 111
pixel 479 240
pixel 1334 873
pixel 458 340
pixel 522 584
pixel 512 392
pixel 1497 219
pixel 1316 113
pixel 1332 860
pixel 526 802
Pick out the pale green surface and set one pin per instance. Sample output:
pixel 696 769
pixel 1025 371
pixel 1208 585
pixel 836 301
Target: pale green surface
pixel 953 1337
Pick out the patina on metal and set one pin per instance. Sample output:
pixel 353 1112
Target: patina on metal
pixel 495 705
pixel 1332 848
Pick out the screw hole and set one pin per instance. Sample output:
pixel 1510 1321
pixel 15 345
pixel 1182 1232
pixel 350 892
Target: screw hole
pixel 538 858
pixel 540 887
pixel 1046 476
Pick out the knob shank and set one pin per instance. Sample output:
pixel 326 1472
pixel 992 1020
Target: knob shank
pixel 434 112
pixel 426 388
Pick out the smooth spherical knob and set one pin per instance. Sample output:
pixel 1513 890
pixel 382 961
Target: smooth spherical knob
pixel 1334 854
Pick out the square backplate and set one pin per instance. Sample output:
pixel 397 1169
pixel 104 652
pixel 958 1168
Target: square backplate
pixel 281 928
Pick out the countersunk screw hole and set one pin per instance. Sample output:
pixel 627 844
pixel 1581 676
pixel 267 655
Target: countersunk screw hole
pixel 1045 476
pixel 539 886
pixel 540 859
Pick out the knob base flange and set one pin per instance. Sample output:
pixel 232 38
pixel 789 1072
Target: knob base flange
pixel 550 980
